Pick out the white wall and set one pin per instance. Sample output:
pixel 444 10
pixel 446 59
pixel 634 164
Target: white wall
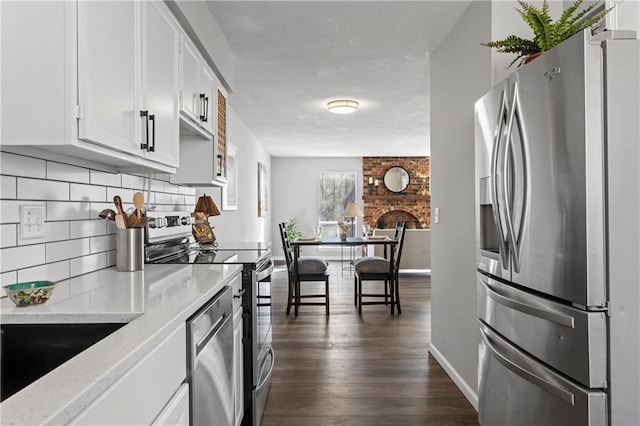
pixel 295 181
pixel 460 73
pixel 243 224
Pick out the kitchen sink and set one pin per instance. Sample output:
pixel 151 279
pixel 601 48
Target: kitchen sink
pixel 29 351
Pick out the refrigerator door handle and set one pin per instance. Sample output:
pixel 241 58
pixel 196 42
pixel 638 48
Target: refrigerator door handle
pixel 496 204
pixel 521 366
pixel 504 296
pixel 511 234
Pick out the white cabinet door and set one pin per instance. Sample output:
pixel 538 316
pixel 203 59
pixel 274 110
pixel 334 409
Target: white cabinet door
pixel 176 412
pixel 108 73
pixel 142 392
pixel 190 80
pixel 160 83
pixel 209 87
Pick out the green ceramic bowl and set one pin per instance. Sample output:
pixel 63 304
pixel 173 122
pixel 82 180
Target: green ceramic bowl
pixel 30 293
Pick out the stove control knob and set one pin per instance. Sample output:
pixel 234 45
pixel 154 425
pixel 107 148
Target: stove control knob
pixel 185 220
pixel 152 223
pixel 160 222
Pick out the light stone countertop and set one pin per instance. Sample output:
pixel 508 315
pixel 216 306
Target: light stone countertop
pixel 152 302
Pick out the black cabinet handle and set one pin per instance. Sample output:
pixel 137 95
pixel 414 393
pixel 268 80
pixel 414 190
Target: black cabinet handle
pixel 145 145
pixel 152 117
pixel 202 116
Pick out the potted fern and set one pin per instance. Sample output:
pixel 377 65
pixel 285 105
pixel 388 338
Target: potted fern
pixel 547 33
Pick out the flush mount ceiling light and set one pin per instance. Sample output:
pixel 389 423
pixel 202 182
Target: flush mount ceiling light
pixel 343 106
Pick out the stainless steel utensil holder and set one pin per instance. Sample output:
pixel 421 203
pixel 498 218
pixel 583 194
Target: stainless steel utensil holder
pixel 129 249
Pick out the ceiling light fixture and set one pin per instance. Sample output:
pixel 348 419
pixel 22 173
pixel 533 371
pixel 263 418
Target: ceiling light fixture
pixel 343 106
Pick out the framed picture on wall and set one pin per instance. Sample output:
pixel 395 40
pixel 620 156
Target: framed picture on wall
pixel 230 190
pixel 262 190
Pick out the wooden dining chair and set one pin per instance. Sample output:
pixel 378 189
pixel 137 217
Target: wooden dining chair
pixel 310 269
pixel 378 268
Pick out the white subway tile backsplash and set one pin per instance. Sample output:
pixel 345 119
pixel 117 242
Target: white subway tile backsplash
pixel 8 235
pixel 111 258
pixel 106 179
pixel 76 240
pixel 177 199
pixel 86 264
pixel 22 257
pixel 8 188
pixel 38 189
pixel 157 185
pixel 20 165
pixel 162 198
pixel 67 172
pixel 71 210
pixel 80 192
pixel 67 249
pixel 102 244
pixel 10 211
pixel 53 231
pixel 57 271
pixel 186 190
pixel 171 188
pixel 136 182
pixel 8 278
pixel 125 194
pixel 87 228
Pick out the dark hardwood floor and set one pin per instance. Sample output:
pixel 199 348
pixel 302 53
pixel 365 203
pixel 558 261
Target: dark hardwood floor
pixel 348 369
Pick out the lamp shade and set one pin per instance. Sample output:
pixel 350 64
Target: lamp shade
pixel 206 205
pixel 353 210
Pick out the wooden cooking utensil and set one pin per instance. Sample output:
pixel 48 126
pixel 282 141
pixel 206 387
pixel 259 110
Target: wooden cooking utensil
pixel 141 223
pixel 131 220
pixel 118 203
pixel 138 201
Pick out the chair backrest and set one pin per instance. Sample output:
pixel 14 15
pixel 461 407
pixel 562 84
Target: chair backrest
pixel 286 246
pixel 401 228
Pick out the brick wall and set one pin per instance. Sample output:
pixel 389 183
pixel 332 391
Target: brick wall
pixel 414 201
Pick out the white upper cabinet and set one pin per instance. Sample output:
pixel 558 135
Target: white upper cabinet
pixel 83 71
pixel 190 92
pixel 108 73
pixel 160 84
pixel 198 89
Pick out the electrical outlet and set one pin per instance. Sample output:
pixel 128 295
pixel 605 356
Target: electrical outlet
pixel 32 221
pixel 436 215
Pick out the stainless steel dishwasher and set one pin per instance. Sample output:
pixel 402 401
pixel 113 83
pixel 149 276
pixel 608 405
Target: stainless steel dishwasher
pixel 210 362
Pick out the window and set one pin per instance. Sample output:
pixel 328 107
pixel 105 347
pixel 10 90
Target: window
pixel 336 190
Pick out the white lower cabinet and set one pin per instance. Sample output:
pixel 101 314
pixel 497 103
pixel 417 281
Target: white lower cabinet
pixel 238 362
pixel 176 412
pixel 143 392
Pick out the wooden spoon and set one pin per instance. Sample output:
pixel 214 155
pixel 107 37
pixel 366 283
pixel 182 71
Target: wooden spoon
pixel 118 202
pixel 138 201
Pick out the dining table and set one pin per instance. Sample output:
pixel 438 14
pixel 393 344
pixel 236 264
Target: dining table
pixel 383 240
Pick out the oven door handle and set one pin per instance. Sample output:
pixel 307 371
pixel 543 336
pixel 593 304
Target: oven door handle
pixel 260 275
pixel 267 377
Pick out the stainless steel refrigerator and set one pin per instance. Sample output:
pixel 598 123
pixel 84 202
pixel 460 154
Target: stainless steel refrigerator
pixel 557 212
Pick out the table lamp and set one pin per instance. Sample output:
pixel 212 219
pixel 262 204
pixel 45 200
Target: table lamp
pixel 352 211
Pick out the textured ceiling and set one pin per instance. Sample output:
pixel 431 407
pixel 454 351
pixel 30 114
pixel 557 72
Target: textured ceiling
pixel 291 57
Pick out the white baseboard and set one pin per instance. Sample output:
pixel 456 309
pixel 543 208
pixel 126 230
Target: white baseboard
pixel 467 391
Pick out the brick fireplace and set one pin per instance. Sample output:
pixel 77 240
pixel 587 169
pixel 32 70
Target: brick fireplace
pixel 383 207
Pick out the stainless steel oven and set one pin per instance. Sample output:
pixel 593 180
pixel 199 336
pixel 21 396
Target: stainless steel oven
pixel 169 240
